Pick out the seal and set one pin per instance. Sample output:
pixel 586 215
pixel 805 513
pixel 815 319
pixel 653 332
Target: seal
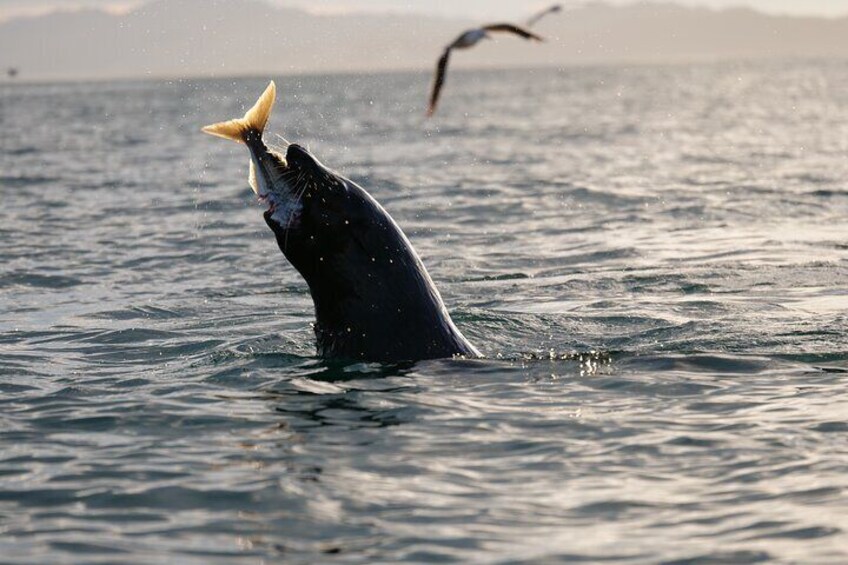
pixel 374 300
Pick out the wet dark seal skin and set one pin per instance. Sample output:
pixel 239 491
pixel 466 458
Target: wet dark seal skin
pixel 374 300
pixel 373 297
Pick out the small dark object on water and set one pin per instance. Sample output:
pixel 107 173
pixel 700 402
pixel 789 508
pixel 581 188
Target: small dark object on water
pixel 12 72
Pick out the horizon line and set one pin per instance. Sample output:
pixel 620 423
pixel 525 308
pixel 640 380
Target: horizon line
pixel 264 75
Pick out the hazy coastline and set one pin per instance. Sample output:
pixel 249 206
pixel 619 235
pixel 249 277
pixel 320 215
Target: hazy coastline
pixel 189 38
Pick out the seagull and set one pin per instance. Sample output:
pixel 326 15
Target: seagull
pixel 556 8
pixel 468 39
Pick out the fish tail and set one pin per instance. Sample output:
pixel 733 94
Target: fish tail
pixel 253 122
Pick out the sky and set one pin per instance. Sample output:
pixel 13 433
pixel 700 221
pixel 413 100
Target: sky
pixel 468 8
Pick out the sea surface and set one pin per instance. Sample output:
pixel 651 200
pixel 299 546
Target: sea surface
pixel 654 261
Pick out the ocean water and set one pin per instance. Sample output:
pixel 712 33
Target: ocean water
pixel 654 261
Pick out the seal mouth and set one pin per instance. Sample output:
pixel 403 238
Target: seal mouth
pixel 270 177
pixel 281 189
pixel 269 202
pixel 281 177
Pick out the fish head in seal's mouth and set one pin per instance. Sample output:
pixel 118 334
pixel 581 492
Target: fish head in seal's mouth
pixel 272 181
pixel 287 184
pixel 317 215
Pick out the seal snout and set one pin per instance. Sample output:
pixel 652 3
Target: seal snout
pixel 299 157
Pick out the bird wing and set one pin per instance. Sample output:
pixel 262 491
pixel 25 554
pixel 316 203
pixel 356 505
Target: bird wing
pixel 512 28
pixel 438 81
pixel 539 15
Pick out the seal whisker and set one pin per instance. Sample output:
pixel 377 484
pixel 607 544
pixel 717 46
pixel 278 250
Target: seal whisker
pixel 291 216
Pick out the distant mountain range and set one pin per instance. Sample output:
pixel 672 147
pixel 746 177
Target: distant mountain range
pixel 234 37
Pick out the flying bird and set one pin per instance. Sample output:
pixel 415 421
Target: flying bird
pixel 468 39
pixel 556 8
